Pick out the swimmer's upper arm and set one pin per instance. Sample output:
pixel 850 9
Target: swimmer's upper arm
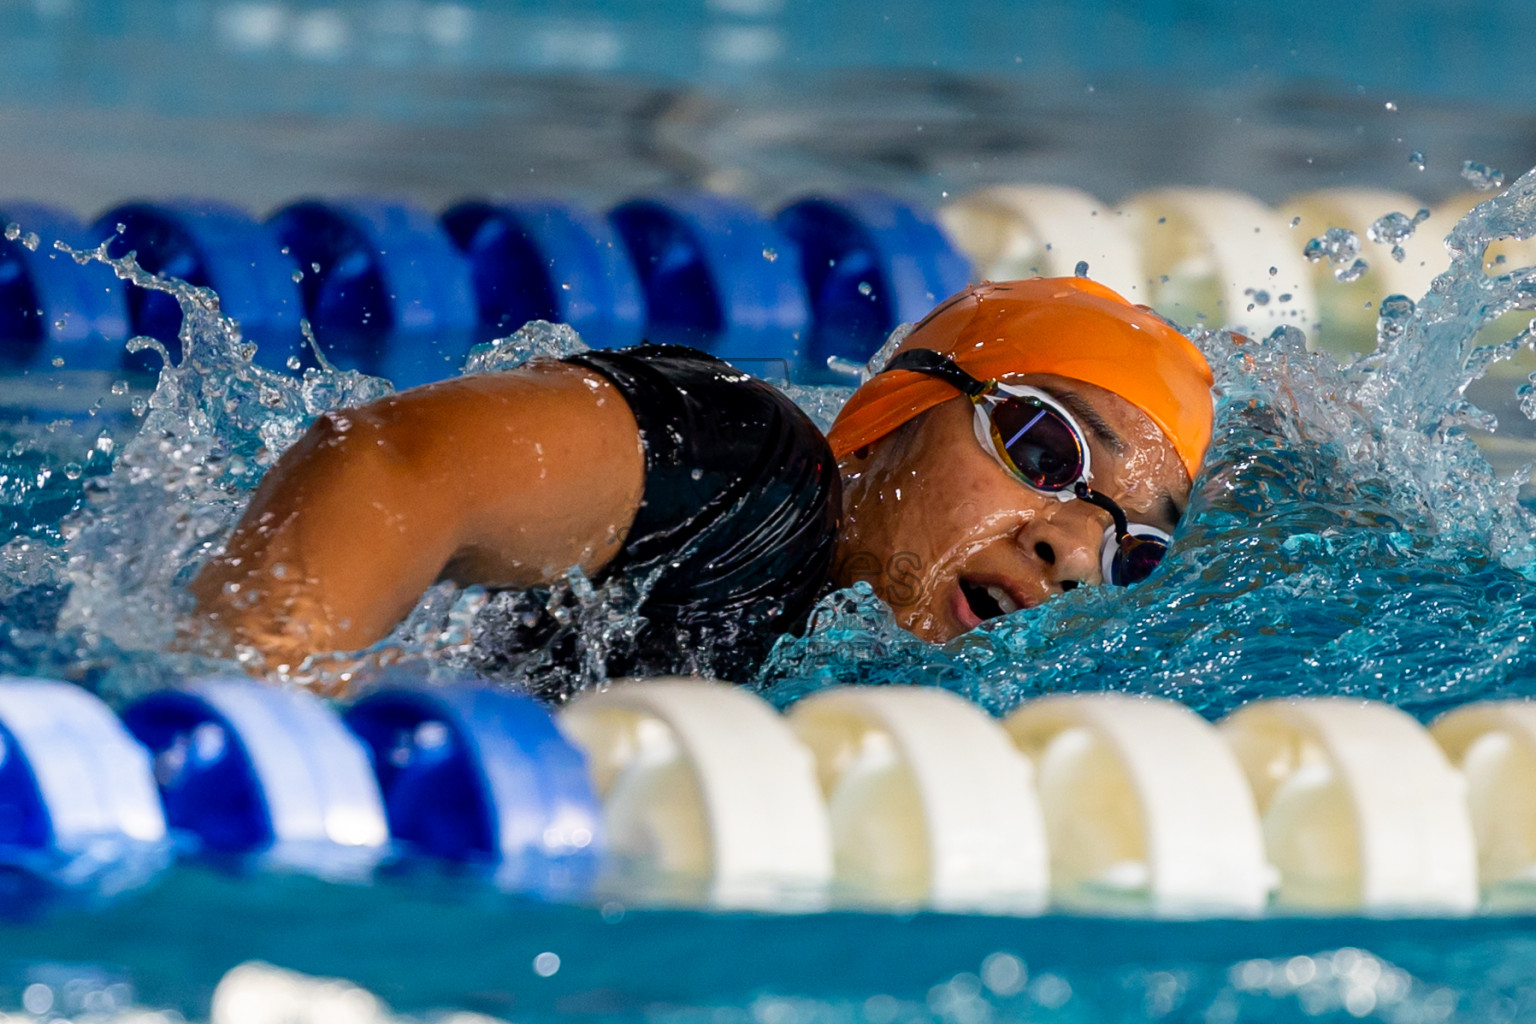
pixel 498 479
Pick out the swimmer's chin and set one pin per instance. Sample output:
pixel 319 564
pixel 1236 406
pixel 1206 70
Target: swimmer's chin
pixel 931 624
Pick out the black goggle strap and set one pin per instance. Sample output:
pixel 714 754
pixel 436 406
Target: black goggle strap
pixel 1093 497
pixel 935 364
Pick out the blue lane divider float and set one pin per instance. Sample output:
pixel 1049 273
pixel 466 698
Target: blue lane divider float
pixel 717 275
pixel 235 768
pixel 49 307
pixel 871 262
pixel 248 768
pixel 77 795
pixel 481 776
pixel 384 287
pixel 548 261
pixel 391 290
pixel 208 244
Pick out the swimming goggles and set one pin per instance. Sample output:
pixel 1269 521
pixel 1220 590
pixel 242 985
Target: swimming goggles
pixel 1035 438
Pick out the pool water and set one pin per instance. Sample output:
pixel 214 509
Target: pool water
pixel 1346 537
pixel 171 944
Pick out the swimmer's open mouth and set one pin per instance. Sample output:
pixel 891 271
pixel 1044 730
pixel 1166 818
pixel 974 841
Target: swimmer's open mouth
pixel 987 600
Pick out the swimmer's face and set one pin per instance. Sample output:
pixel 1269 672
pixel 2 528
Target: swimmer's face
pixel 948 538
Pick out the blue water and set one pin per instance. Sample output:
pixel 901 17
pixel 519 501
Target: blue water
pixel 1346 536
pixel 172 943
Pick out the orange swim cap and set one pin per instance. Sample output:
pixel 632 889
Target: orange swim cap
pixel 1068 326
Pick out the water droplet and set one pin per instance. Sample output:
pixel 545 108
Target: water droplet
pixel 1273 271
pixel 1416 160
pixel 139 405
pixel 59 324
pixel 1295 222
pixel 1393 229
pixel 846 367
pixel 121 227
pixel 58 361
pixel 298 275
pixel 1261 298
pixel 1391 105
pixel 565 286
pixel 865 288
pixel 697 474
pixel 1337 245
pixel 73 470
pixel 1353 272
pixel 546 964
pixel 315 267
pixel 1481 176
pixel 119 387
pixel 293 362
pixel 1081 270
pixel 12 232
pixel 770 254
pixel 30 240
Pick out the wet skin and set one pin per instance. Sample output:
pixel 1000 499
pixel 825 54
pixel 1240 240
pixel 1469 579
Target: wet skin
pixel 506 480
pixel 927 507
pixel 502 480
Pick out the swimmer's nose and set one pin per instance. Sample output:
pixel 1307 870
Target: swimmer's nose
pixel 1066 546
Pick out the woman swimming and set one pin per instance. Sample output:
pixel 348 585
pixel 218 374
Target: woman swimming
pixel 1027 438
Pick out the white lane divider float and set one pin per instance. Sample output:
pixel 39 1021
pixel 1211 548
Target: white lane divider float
pixel 1361 809
pixel 1016 231
pixel 1494 745
pixel 1203 255
pixel 929 802
pixel 1334 805
pixel 1211 254
pixel 705 781
pixel 259 993
pixel 1145 806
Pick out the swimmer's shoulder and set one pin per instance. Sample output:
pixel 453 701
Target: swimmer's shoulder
pixel 685 388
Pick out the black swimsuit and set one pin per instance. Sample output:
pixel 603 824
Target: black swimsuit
pixel 735 534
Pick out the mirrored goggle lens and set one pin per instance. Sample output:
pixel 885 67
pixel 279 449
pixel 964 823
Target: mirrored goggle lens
pixel 1041 444
pixel 1135 558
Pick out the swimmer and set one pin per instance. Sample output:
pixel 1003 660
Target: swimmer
pixel 1028 437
